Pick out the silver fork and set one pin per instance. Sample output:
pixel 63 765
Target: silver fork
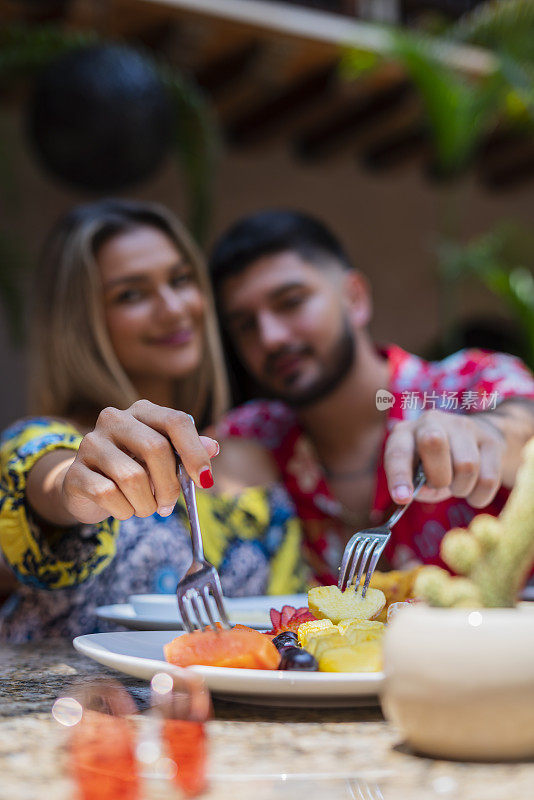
pixel 370 544
pixel 201 579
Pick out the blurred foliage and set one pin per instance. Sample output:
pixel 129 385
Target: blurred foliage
pixel 460 112
pixel 503 261
pixel 354 63
pixel 506 28
pixel 24 51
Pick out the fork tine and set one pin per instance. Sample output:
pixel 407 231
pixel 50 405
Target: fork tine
pixel 184 613
pixel 347 555
pixel 207 607
pixel 194 599
pixel 216 592
pixel 372 566
pixel 359 550
pixel 365 557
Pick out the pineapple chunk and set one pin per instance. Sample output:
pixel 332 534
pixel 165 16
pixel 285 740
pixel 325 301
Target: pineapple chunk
pixel 366 657
pixel 317 645
pixel 327 602
pixel 313 628
pixel 361 630
pixel 356 634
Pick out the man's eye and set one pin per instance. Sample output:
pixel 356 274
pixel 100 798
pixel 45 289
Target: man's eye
pixel 291 301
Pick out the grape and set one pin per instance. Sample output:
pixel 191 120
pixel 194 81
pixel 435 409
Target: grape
pixel 285 639
pixel 296 658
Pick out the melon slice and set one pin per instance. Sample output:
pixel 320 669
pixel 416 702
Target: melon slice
pixel 238 647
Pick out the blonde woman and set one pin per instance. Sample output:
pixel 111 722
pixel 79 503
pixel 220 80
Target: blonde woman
pixel 126 366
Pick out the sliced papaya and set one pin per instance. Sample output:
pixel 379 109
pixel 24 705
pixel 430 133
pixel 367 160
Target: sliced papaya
pixel 238 647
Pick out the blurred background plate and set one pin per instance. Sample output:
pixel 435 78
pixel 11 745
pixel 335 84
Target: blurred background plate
pixel 160 611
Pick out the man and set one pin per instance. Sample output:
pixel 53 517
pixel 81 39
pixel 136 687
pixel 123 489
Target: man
pixel 349 421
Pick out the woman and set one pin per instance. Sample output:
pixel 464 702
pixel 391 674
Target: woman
pixel 124 311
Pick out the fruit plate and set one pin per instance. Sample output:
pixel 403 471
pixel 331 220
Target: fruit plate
pixel 151 612
pixel 140 654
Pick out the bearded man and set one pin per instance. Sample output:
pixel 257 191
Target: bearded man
pixel 346 421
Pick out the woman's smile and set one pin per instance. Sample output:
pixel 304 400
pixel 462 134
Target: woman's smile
pixel 179 337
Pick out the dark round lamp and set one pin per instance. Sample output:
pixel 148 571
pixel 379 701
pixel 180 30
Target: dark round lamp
pixel 100 118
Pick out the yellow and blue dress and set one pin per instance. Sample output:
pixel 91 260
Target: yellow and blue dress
pixel 254 540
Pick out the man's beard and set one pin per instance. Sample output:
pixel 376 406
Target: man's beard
pixel 338 363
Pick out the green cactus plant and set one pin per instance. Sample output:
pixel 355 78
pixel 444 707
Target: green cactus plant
pixel 492 557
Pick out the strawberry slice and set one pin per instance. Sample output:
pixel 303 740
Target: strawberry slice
pixel 289 619
pixel 288 612
pixel 276 618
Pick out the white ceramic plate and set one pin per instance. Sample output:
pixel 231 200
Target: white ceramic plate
pixel 140 653
pixel 124 614
pixel 160 611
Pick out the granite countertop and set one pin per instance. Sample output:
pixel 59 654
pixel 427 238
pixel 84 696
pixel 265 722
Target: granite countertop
pixel 332 754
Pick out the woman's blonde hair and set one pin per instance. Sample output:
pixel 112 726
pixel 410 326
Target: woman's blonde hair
pixel 74 369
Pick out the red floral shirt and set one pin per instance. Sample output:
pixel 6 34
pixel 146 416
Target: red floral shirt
pixel 466 382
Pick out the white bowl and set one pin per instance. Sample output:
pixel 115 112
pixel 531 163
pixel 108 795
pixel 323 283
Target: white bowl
pixel 460 684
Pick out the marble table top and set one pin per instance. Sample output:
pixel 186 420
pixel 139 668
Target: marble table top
pixel 255 752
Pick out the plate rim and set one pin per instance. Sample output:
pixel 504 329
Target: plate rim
pixel 342 683
pixel 114 613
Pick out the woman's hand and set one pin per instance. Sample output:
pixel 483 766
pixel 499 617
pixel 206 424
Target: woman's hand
pixel 126 466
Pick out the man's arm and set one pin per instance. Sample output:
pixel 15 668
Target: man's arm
pixel 463 455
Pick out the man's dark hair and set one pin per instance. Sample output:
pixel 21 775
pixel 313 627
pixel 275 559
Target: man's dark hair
pixel 270 232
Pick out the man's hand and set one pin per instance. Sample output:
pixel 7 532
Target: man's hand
pixel 126 466
pixel 462 456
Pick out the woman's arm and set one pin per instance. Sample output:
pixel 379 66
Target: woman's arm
pixel 126 466
pixel 44 487
pixel 62 496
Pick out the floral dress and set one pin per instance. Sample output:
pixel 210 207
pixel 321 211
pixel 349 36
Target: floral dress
pixel 64 574
pixel 469 381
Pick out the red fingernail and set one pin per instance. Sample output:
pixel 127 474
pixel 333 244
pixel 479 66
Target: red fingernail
pixel 206 478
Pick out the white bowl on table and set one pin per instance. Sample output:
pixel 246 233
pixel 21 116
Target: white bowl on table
pixel 460 683
pixel 252 611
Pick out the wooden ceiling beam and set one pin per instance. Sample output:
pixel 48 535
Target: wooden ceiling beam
pixel 265 119
pixel 501 145
pixel 223 71
pixel 340 128
pixel 406 144
pixel 332 30
pixel 510 167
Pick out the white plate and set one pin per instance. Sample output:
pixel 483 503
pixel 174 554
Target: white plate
pixel 160 611
pixel 124 614
pixel 140 653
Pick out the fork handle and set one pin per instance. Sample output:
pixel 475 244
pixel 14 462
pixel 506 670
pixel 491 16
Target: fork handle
pixel 188 490
pixel 419 481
